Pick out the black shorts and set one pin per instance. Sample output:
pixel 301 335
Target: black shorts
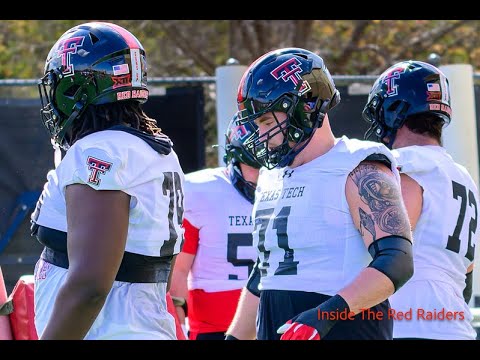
pixel 279 306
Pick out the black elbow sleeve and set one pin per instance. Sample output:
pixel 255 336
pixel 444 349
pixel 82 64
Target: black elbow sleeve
pixel 393 256
pixel 254 280
pixel 467 292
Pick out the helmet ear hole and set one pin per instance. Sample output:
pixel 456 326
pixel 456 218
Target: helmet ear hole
pixel 394 106
pixel 72 90
pixel 396 114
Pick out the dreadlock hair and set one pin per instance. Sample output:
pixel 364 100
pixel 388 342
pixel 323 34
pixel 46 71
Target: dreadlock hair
pixel 101 117
pixel 426 124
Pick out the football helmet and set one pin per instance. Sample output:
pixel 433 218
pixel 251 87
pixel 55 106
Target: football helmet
pixel 406 88
pixel 91 64
pixel 290 80
pixel 236 152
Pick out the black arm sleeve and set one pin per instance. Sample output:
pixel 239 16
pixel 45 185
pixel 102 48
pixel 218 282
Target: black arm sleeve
pixel 393 256
pixel 254 280
pixel 467 292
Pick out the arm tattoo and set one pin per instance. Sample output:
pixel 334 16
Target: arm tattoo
pixel 367 222
pixel 378 191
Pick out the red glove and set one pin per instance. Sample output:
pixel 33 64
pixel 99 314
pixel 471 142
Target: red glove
pixel 297 331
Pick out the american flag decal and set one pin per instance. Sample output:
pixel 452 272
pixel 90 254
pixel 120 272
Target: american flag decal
pixel 120 69
pixel 433 87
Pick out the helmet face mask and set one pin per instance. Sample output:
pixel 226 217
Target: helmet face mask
pixel 236 137
pixel 293 81
pixel 405 89
pixel 49 114
pixel 91 64
pixel 236 152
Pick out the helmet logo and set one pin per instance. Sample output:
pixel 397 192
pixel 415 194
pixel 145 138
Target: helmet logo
pixel 440 107
pixel 290 71
pixel 119 81
pixel 389 80
pixel 65 49
pixel 239 133
pixel 132 94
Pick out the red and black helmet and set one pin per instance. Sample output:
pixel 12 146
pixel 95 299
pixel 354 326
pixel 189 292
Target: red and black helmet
pixel 91 64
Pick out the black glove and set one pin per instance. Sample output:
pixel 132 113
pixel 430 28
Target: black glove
pixel 314 324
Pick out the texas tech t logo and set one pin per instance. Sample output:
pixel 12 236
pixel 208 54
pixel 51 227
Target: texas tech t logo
pixel 290 71
pixel 97 167
pixel 66 49
pixel 389 80
pixel 239 133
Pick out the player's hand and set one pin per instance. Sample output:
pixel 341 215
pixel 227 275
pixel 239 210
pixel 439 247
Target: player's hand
pixel 297 331
pixel 301 327
pixel 309 326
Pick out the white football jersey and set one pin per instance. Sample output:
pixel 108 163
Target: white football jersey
pixel 225 253
pixel 444 242
pixel 303 226
pixel 116 160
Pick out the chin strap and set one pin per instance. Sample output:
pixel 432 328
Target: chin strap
pixel 380 132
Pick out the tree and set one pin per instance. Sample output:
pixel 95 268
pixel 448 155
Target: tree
pixel 355 47
pixel 197 47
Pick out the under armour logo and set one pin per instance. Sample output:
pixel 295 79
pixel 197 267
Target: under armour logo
pixel 288 173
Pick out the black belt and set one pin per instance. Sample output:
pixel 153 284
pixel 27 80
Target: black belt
pixel 135 268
